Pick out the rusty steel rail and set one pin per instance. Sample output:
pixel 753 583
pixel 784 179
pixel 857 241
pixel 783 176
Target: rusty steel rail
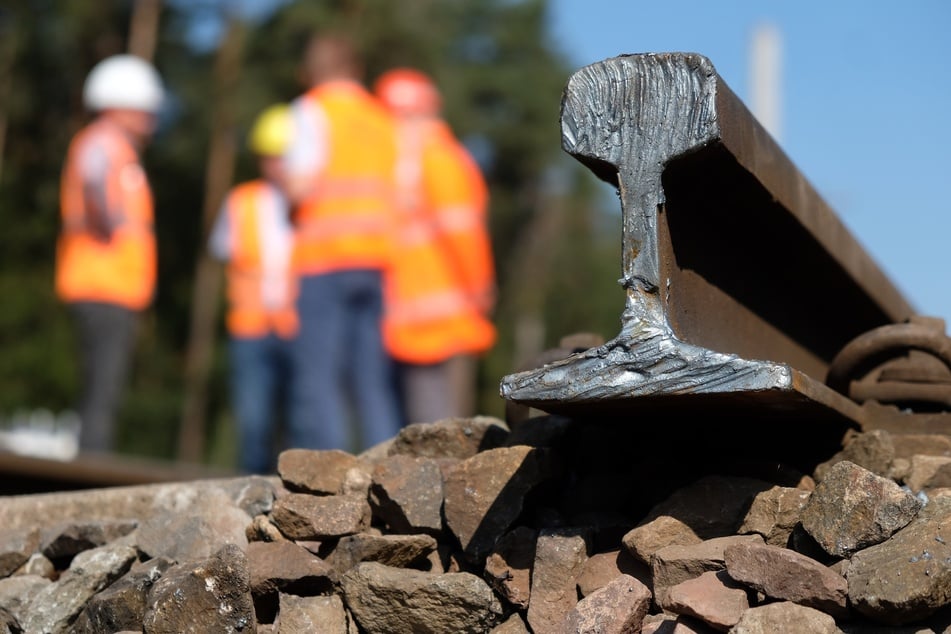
pixel 741 283
pixel 21 474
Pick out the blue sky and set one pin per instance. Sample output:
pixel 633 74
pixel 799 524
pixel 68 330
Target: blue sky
pixel 865 110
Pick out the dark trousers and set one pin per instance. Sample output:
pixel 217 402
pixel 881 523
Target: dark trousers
pixel 106 338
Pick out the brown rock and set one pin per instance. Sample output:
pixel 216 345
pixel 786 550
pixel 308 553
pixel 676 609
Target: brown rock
pixel 513 625
pixel 398 551
pixel 315 471
pixel 873 450
pixel 447 603
pixel 644 540
pixel 602 568
pixel 407 493
pixel 908 445
pixel 713 597
pixel 785 617
pixel 484 494
pixel 617 608
pixel 675 564
pixel 285 566
pixel 450 438
pixel 674 624
pixel 303 516
pixel 509 567
pixel 262 530
pixel 784 574
pixel 324 614
pixel 713 506
pixel 559 559
pixel 928 472
pixel 774 514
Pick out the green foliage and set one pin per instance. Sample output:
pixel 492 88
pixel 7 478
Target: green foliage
pixel 501 80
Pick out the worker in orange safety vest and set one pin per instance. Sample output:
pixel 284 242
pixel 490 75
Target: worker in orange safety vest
pixel 106 252
pixel 254 235
pixel 341 180
pixel 440 291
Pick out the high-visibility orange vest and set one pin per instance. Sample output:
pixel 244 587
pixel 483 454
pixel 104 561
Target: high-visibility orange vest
pixel 261 287
pixel 348 223
pixel 121 271
pixel 436 291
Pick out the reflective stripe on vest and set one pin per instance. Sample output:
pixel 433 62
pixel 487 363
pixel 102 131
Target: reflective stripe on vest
pixel 261 287
pixel 121 270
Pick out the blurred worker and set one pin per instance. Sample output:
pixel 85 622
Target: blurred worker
pixel 341 180
pixel 253 234
pixel 106 255
pixel 441 288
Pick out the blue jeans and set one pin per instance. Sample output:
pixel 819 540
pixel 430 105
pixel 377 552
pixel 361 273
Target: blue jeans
pixel 341 371
pixel 259 375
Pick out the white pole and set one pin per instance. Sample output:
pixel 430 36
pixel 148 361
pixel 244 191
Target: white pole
pixel 766 77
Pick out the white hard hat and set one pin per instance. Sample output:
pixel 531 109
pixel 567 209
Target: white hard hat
pixel 123 81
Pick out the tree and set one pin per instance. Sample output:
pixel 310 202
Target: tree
pixel 501 78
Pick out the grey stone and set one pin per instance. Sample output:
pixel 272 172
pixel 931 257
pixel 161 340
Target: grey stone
pixel 16 547
pixel 196 532
pixel 56 605
pixel 67 538
pixel 853 508
pixel 907 577
pixel 210 595
pixel 17 592
pixel 121 606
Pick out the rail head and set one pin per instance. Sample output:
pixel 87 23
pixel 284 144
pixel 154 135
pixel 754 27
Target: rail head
pixel 738 277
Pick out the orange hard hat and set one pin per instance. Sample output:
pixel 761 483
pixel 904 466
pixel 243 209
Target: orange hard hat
pixel 407 91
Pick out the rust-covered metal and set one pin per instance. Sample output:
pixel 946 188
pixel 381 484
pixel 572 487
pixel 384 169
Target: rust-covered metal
pixel 741 283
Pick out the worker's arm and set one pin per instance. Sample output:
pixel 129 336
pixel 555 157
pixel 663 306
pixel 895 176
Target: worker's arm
pixel 307 153
pixel 100 201
pixel 220 242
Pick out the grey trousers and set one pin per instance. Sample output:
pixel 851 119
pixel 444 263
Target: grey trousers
pixel 106 334
pixel 436 391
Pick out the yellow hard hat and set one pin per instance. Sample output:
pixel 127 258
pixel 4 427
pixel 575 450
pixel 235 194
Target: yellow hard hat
pixel 271 132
